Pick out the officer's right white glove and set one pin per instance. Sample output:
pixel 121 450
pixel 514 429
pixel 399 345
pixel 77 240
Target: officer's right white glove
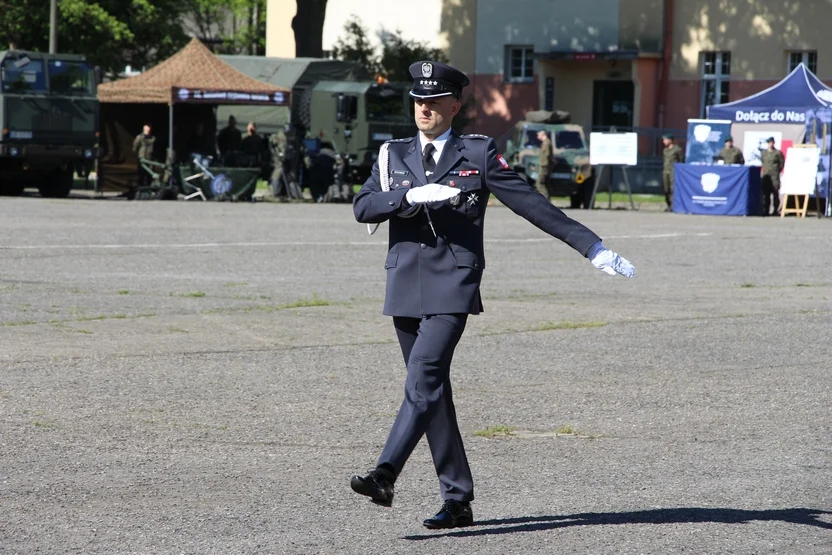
pixel 432 192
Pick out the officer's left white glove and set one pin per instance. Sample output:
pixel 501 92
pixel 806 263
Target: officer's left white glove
pixel 610 262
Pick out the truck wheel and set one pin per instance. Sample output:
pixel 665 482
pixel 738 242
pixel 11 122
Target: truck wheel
pixel 57 184
pixel 13 189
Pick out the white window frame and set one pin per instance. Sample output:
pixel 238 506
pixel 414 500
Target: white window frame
pixel 718 77
pixel 804 57
pixel 527 52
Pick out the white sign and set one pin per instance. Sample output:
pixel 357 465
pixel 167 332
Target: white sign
pixel 801 172
pixel 613 149
pixel 754 143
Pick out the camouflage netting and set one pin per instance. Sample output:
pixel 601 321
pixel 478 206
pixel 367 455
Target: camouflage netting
pixel 545 116
pixel 193 67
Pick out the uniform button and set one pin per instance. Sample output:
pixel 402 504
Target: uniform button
pixel 391 203
pixel 424 246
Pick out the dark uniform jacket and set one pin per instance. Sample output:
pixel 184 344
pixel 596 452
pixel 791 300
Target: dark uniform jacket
pixel 441 275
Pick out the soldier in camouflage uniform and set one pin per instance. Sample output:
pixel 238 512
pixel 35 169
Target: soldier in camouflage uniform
pixel 277 145
pixel 143 148
pixel 731 154
pixel 773 163
pixel 672 155
pixel 543 166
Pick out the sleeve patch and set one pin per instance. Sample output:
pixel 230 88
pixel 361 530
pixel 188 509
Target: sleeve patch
pixel 502 161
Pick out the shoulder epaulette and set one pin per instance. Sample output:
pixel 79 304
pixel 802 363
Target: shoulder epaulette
pixel 475 136
pixel 405 140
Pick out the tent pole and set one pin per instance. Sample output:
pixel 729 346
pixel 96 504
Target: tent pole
pixel 170 133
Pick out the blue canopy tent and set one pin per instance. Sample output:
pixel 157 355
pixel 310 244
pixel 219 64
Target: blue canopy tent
pixel 800 100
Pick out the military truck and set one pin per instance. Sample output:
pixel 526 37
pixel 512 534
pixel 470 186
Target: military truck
pixel 49 117
pixel 383 110
pixel 570 169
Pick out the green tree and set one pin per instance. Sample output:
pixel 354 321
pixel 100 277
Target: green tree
pixel 230 26
pixel 398 53
pixel 354 46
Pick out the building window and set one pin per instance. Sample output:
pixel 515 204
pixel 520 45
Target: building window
pixel 519 64
pixel 716 75
pixel 809 58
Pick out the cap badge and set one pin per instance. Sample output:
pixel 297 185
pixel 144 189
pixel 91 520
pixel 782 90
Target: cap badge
pixel 427 69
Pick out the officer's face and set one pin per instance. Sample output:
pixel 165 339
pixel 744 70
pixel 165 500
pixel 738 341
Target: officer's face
pixel 434 115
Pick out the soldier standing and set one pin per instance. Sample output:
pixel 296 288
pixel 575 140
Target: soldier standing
pixel 434 196
pixel 731 154
pixel 773 163
pixel 143 148
pixel 277 144
pixel 543 167
pixel 672 155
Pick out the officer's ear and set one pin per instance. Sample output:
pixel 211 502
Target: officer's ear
pixel 457 105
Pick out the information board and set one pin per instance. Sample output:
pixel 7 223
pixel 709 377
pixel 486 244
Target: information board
pixel 613 149
pixel 801 172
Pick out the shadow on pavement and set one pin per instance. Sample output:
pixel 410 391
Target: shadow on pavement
pixel 808 517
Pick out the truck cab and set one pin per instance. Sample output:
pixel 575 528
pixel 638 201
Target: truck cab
pixel 569 170
pixel 49 118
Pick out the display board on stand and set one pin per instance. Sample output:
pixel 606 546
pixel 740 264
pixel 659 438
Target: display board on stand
pixel 612 149
pixel 800 179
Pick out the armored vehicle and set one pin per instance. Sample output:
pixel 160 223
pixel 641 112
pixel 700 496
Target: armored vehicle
pixel 49 117
pixel 570 169
pixel 380 110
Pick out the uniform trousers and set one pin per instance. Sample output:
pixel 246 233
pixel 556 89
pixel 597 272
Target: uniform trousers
pixel 771 192
pixel 428 345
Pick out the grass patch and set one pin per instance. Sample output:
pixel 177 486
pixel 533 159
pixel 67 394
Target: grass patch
pixel 566 429
pixel 547 326
pixel 262 185
pixel 810 285
pixel 124 292
pixel 493 431
pixel 194 294
pixel 234 284
pixel 303 303
pixel 747 285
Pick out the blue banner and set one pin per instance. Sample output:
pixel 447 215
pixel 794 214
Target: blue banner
pixel 717 190
pixel 705 139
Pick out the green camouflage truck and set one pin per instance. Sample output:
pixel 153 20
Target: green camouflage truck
pixel 49 117
pixel 570 169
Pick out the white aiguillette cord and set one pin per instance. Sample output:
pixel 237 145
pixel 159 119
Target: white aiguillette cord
pixel 384 177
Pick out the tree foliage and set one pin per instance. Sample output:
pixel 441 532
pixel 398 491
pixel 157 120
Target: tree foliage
pixel 139 33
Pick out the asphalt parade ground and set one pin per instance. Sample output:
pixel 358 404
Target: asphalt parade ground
pixel 183 377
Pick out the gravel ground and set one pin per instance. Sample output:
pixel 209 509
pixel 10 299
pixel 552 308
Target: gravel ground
pixel 184 377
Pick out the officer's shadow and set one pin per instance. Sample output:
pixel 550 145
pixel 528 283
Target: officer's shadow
pixel 808 517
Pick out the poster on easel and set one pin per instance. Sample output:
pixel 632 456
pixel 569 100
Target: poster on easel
pixel 800 175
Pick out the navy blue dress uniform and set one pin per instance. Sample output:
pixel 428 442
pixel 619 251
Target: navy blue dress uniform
pixel 435 265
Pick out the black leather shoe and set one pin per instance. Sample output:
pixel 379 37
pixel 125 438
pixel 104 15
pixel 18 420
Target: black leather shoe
pixel 454 514
pixel 377 485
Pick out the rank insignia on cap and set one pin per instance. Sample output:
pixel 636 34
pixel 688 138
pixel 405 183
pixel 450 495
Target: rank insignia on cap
pixel 427 69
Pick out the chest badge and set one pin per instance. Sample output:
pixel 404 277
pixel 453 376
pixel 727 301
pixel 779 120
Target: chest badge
pixel 472 199
pixel 455 200
pixel 405 183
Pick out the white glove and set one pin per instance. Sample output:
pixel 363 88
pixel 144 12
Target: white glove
pixel 432 192
pixel 610 262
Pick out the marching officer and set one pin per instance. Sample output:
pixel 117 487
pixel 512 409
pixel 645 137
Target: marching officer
pixel 773 163
pixel 731 154
pixel 434 194
pixel 543 167
pixel 672 154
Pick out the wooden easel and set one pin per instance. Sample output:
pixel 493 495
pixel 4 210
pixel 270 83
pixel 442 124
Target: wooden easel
pixel 798 210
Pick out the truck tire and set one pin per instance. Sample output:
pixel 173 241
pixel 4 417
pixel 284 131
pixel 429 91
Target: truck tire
pixel 57 184
pixel 12 189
